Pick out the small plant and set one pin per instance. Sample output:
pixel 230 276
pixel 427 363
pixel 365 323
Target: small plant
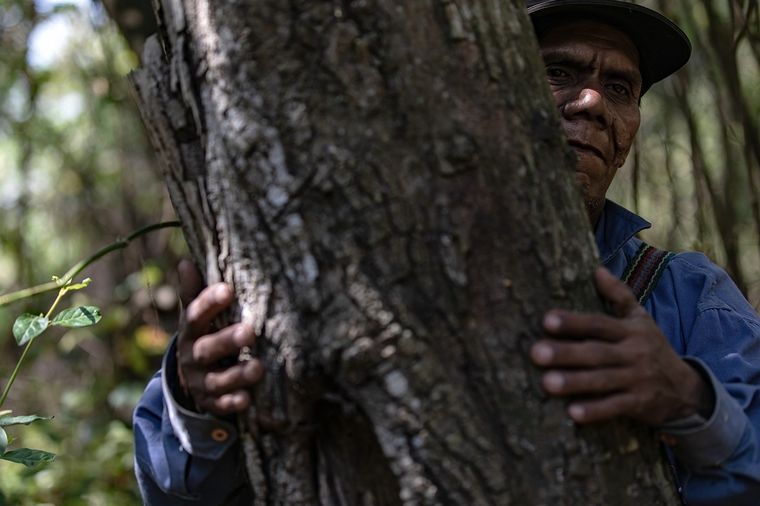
pixel 28 327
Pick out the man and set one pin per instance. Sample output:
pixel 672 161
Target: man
pixel 691 369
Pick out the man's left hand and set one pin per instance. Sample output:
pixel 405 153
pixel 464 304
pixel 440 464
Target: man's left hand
pixel 617 365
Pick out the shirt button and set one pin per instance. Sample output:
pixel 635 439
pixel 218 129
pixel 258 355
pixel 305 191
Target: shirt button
pixel 220 435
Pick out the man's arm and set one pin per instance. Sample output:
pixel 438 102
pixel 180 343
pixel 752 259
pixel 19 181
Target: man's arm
pixel 627 365
pixel 624 360
pixel 725 338
pixel 167 474
pixel 184 448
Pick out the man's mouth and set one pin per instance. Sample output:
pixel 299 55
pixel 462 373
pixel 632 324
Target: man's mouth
pixel 582 146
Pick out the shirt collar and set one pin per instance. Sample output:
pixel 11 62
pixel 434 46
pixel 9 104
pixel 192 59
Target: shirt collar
pixel 615 227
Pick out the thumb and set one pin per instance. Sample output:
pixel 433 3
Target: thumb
pixel 615 291
pixel 190 281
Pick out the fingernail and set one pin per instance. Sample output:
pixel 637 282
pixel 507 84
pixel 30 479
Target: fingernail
pixel 542 353
pixel 554 381
pixel 221 293
pixel 576 412
pixel 243 334
pixel 552 321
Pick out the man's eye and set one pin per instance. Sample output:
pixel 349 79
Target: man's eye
pixel 556 73
pixel 619 89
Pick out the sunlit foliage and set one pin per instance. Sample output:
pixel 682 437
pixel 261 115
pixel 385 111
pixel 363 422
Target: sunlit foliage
pixel 695 170
pixel 76 173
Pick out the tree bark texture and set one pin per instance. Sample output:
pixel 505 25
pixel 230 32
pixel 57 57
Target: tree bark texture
pixel 385 185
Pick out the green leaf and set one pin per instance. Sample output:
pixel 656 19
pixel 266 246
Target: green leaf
pixel 28 457
pixel 28 326
pixel 6 421
pixel 80 316
pixel 3 440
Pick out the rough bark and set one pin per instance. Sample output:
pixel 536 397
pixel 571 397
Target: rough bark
pixel 385 185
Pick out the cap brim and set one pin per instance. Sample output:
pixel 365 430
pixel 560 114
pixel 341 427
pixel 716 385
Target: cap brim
pixel 663 47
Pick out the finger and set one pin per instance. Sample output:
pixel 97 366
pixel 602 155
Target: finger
pixel 211 348
pixel 623 300
pixel 595 381
pixel 190 281
pixel 205 307
pixel 602 409
pixel 555 353
pixel 227 404
pixel 237 377
pixel 585 325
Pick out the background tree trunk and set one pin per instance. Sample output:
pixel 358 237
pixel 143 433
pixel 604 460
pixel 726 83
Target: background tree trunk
pixel 134 18
pixel 385 185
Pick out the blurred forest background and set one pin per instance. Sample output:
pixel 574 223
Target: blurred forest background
pixel 77 173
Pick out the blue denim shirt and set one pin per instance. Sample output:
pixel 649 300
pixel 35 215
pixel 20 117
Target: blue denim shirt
pixel 183 457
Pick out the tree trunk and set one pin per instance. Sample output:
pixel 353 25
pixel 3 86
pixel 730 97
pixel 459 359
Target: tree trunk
pixel 385 185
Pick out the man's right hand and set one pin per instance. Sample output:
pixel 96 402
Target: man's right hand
pixel 214 389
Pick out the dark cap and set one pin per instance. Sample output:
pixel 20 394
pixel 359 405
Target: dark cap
pixel 663 47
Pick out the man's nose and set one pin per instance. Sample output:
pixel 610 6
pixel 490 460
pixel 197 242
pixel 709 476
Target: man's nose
pixel 589 103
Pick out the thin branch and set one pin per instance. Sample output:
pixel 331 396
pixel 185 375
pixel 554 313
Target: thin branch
pixel 81 265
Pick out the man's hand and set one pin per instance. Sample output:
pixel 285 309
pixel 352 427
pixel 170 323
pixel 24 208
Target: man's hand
pixel 618 365
pixel 214 389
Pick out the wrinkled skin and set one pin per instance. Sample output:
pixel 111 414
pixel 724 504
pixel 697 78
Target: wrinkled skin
pixel 593 72
pixel 216 390
pixel 620 365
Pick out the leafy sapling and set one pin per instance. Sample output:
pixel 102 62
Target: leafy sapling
pixel 26 456
pixel 28 327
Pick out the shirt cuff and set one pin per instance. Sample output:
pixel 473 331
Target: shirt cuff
pixel 708 443
pixel 201 435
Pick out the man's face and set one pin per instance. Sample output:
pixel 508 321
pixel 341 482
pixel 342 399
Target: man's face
pixel 593 72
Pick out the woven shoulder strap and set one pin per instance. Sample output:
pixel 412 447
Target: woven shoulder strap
pixel 644 271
